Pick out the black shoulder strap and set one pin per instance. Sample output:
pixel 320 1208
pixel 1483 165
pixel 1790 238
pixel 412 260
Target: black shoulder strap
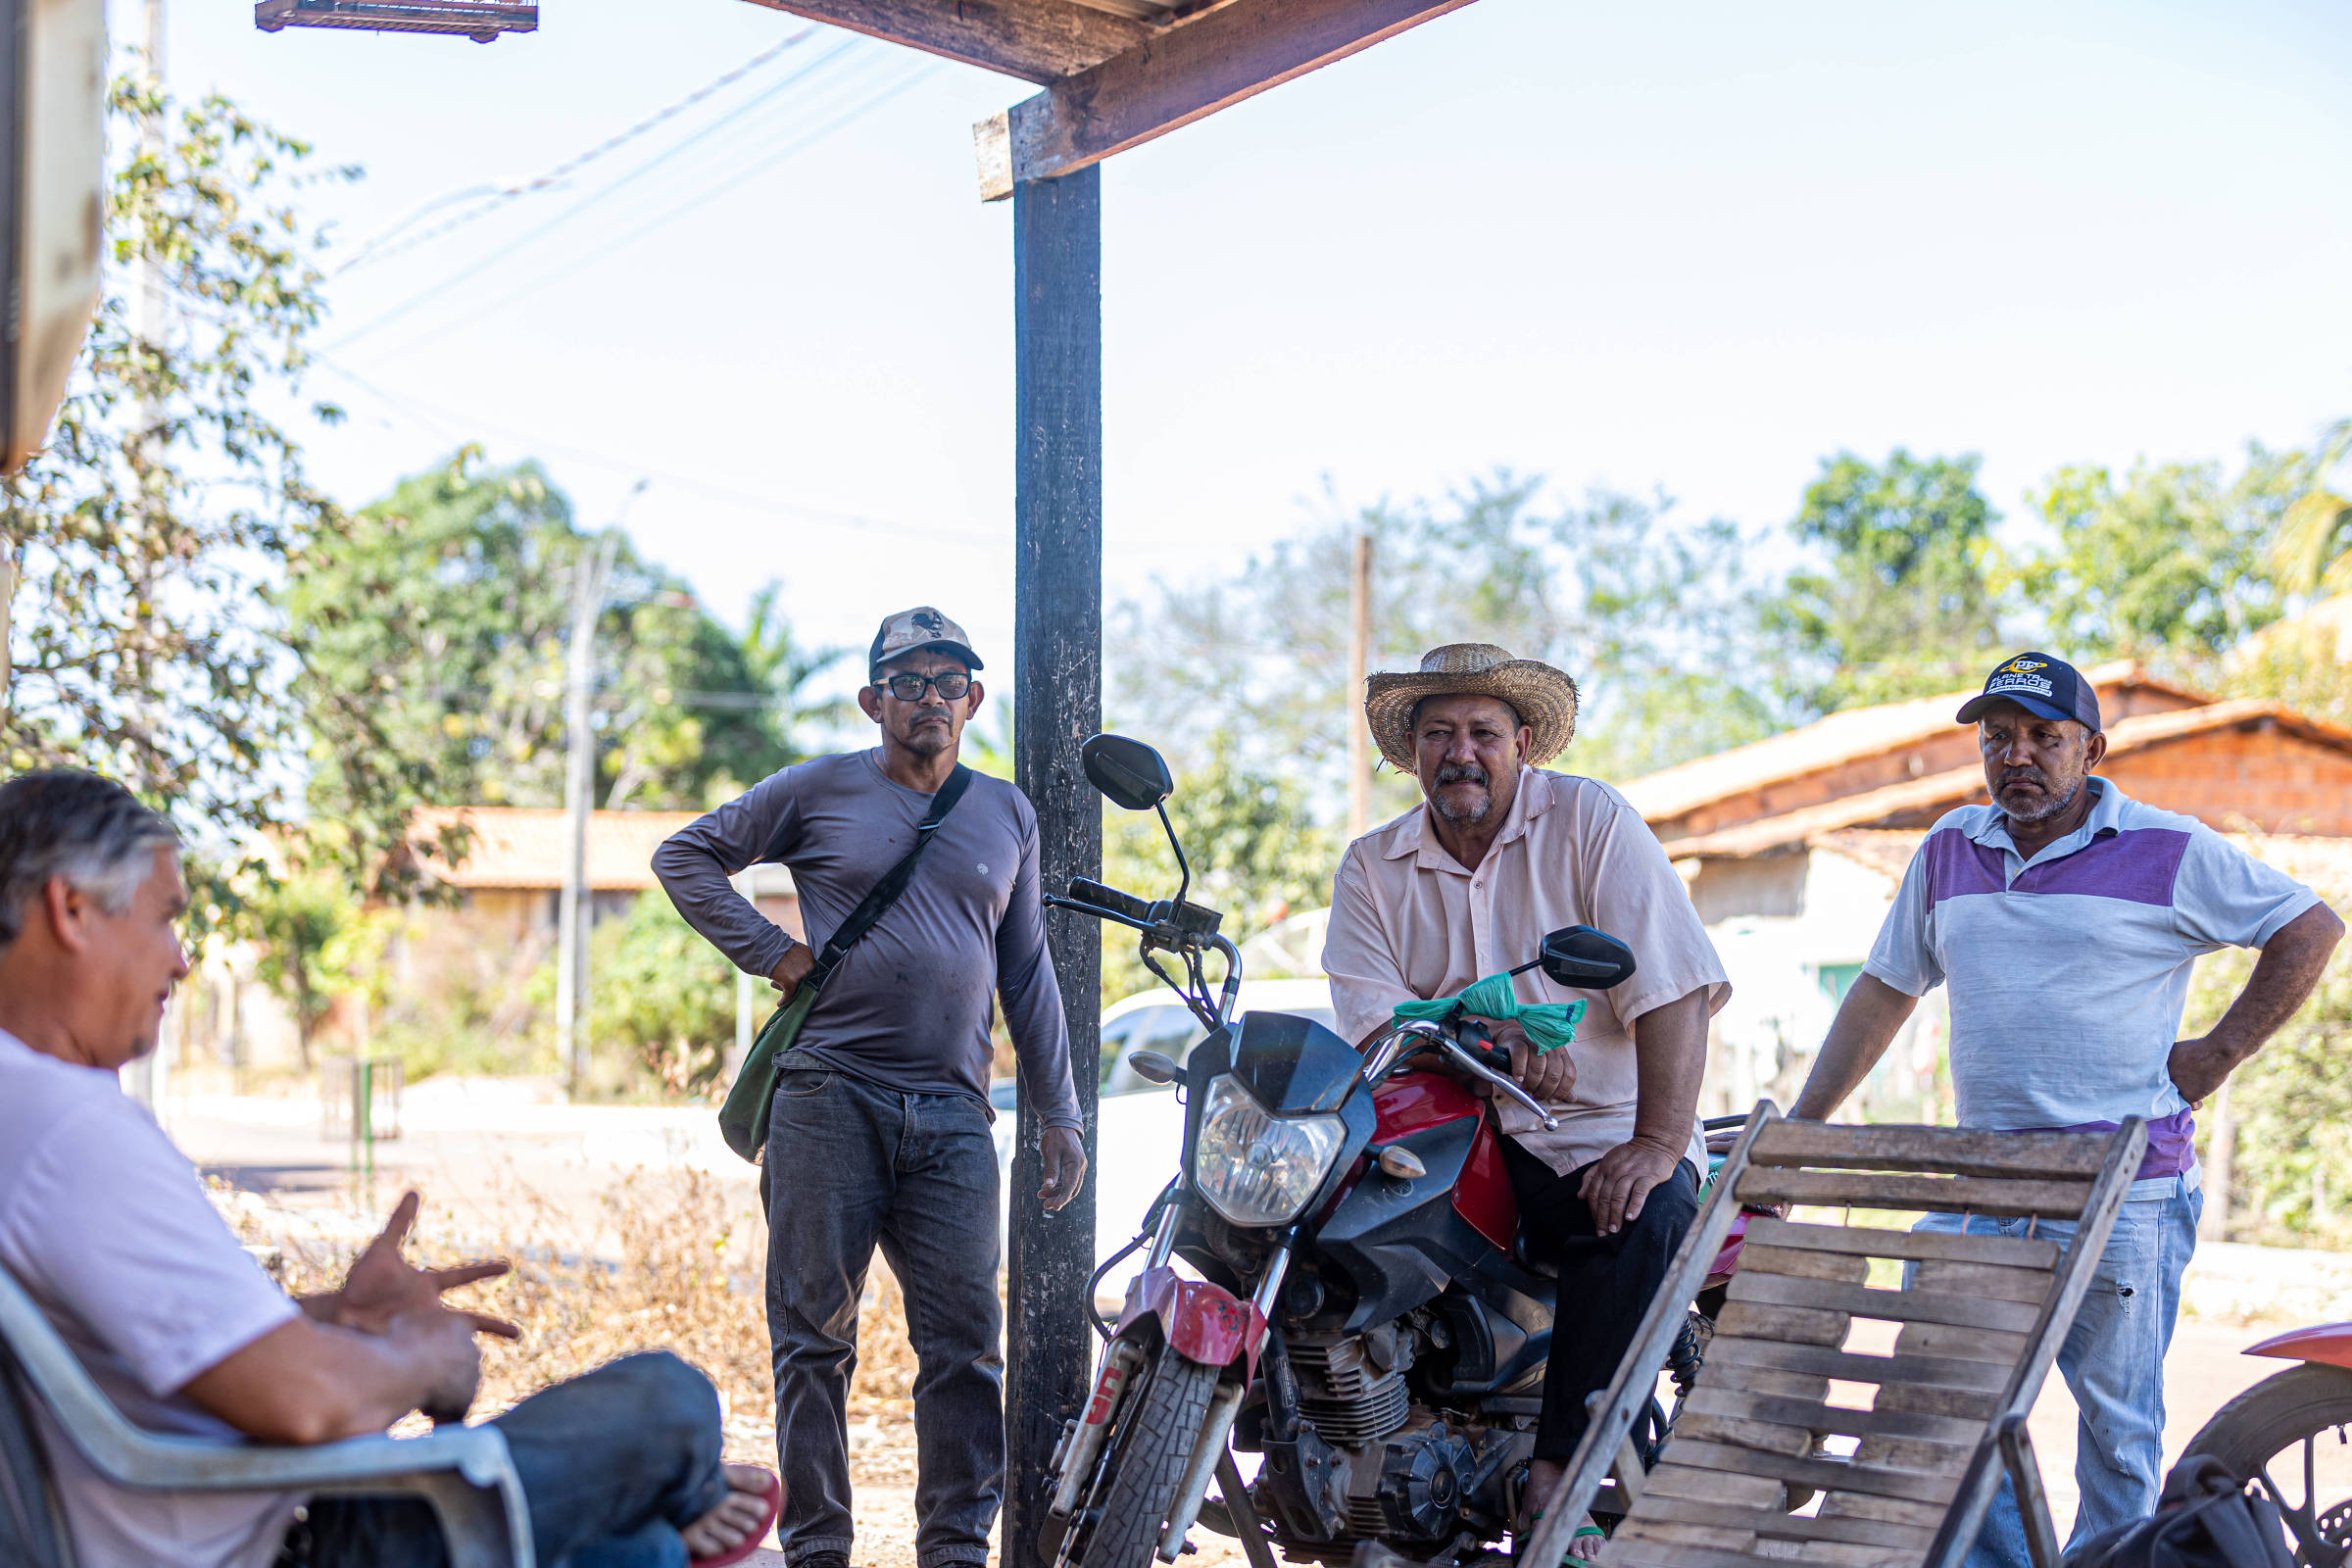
pixel 894 882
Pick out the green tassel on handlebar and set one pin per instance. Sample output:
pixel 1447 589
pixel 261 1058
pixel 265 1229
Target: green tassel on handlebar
pixel 1549 1025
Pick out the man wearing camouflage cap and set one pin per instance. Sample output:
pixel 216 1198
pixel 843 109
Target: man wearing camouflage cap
pixel 879 1130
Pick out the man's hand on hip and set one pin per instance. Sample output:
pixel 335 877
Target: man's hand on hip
pixel 1062 1155
pixel 792 969
pixel 2198 1067
pixel 1618 1182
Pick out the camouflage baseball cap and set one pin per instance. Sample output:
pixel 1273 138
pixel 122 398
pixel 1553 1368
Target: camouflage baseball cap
pixel 919 627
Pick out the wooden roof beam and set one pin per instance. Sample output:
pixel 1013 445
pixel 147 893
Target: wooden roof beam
pixel 1185 72
pixel 1036 40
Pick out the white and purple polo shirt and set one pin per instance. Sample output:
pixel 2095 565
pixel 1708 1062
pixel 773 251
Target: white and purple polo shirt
pixel 2069 972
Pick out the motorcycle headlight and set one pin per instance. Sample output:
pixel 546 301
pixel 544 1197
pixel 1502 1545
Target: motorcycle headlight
pixel 1256 1168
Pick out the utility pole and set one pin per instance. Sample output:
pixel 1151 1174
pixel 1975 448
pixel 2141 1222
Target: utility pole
pixel 575 914
pixel 1359 659
pixel 1057 703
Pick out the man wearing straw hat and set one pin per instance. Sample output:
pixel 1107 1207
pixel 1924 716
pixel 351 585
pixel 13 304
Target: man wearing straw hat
pixel 1464 887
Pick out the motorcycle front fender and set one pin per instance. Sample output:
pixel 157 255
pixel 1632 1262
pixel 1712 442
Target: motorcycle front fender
pixel 1202 1322
pixel 2328 1344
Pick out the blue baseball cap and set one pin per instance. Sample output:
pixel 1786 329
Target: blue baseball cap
pixel 2039 683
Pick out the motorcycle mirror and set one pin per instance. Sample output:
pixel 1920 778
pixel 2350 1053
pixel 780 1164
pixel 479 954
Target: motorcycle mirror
pixel 1129 775
pixel 1152 1067
pixel 1583 958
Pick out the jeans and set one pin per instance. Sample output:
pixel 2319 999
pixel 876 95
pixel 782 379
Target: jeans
pixel 1606 1282
pixel 2113 1360
pixel 851 1166
pixel 613 1463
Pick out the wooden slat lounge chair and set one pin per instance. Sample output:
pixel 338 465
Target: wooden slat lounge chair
pixel 1937 1422
pixel 464 1472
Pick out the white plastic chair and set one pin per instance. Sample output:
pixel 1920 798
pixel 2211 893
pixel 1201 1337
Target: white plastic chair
pixel 464 1473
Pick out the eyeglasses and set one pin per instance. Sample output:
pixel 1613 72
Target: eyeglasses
pixel 950 684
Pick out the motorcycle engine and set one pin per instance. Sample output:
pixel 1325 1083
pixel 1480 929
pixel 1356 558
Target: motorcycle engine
pixel 1409 1486
pixel 1351 1386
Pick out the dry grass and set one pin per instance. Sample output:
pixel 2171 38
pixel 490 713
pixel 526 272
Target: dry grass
pixel 675 1262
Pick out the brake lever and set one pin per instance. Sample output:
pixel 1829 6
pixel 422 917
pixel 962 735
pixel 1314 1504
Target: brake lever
pixel 1479 1069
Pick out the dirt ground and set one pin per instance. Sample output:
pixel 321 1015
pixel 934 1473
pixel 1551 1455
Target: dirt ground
pixel 633 1204
pixel 2205 1371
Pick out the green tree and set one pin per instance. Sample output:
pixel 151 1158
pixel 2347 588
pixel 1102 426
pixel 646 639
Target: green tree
pixel 146 532
pixel 2168 566
pixel 782 666
pixel 2312 550
pixel 299 920
pixel 1652 619
pixel 1900 599
pixel 434 630
pixel 1256 852
pixel 2291 1176
pixel 664 1008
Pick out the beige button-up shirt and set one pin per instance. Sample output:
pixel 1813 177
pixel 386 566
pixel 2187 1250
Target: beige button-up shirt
pixel 1407 920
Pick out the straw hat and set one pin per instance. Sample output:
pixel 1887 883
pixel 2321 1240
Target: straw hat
pixel 1543 697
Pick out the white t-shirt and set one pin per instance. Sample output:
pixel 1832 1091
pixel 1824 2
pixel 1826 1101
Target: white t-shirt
pixel 107 1228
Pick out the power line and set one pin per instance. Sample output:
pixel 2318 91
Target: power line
pixel 570 166
pixel 440 290
pixel 731 182
pixel 454 424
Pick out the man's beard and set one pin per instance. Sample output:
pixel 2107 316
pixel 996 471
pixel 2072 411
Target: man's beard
pixel 2051 804
pixel 1468 773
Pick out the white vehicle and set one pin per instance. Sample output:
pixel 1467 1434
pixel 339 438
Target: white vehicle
pixel 1140 1126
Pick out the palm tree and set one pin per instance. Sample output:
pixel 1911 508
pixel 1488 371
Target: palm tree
pixel 779 662
pixel 2313 550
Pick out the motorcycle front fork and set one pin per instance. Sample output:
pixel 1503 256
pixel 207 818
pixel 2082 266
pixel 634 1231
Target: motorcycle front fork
pixel 1223 1407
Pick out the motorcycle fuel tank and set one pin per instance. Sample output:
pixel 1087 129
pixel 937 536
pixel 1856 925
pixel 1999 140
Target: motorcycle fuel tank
pixel 1410 1102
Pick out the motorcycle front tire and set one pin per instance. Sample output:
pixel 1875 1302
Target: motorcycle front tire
pixel 1152 1453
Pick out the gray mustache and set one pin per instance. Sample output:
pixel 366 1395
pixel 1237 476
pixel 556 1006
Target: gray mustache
pixel 1461 774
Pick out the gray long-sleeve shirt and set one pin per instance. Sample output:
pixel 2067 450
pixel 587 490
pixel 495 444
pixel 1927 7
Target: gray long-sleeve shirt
pixel 912 1004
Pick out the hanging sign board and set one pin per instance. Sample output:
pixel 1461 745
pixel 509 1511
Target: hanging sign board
pixel 53 207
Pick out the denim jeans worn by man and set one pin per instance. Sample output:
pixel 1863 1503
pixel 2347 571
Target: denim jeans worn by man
pixel 105 1225
pixel 878 1134
pixel 2065 917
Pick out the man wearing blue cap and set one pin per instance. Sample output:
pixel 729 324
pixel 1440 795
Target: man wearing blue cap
pixel 2065 917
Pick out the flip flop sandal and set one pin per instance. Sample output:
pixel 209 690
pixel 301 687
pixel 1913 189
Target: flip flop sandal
pixel 1581 1530
pixel 774 1491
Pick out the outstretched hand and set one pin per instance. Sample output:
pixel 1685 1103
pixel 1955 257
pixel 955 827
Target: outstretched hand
pixel 382 1285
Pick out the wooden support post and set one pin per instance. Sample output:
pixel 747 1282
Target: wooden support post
pixel 1057 687
pixel 1359 658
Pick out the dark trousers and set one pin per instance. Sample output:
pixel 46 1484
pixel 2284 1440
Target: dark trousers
pixel 852 1165
pixel 613 1463
pixel 1606 1282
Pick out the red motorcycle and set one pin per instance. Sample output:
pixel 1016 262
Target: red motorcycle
pixel 2293 1433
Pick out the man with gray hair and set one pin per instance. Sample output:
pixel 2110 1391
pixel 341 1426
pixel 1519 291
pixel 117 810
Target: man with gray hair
pixel 106 1227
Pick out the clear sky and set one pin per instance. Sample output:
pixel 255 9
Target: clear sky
pixel 1692 246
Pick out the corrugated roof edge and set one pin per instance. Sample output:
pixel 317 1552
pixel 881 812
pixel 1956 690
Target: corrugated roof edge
pixel 1963 784
pixel 1673 792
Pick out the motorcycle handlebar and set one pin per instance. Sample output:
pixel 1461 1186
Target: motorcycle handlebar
pixel 1480 1046
pixel 1086 890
